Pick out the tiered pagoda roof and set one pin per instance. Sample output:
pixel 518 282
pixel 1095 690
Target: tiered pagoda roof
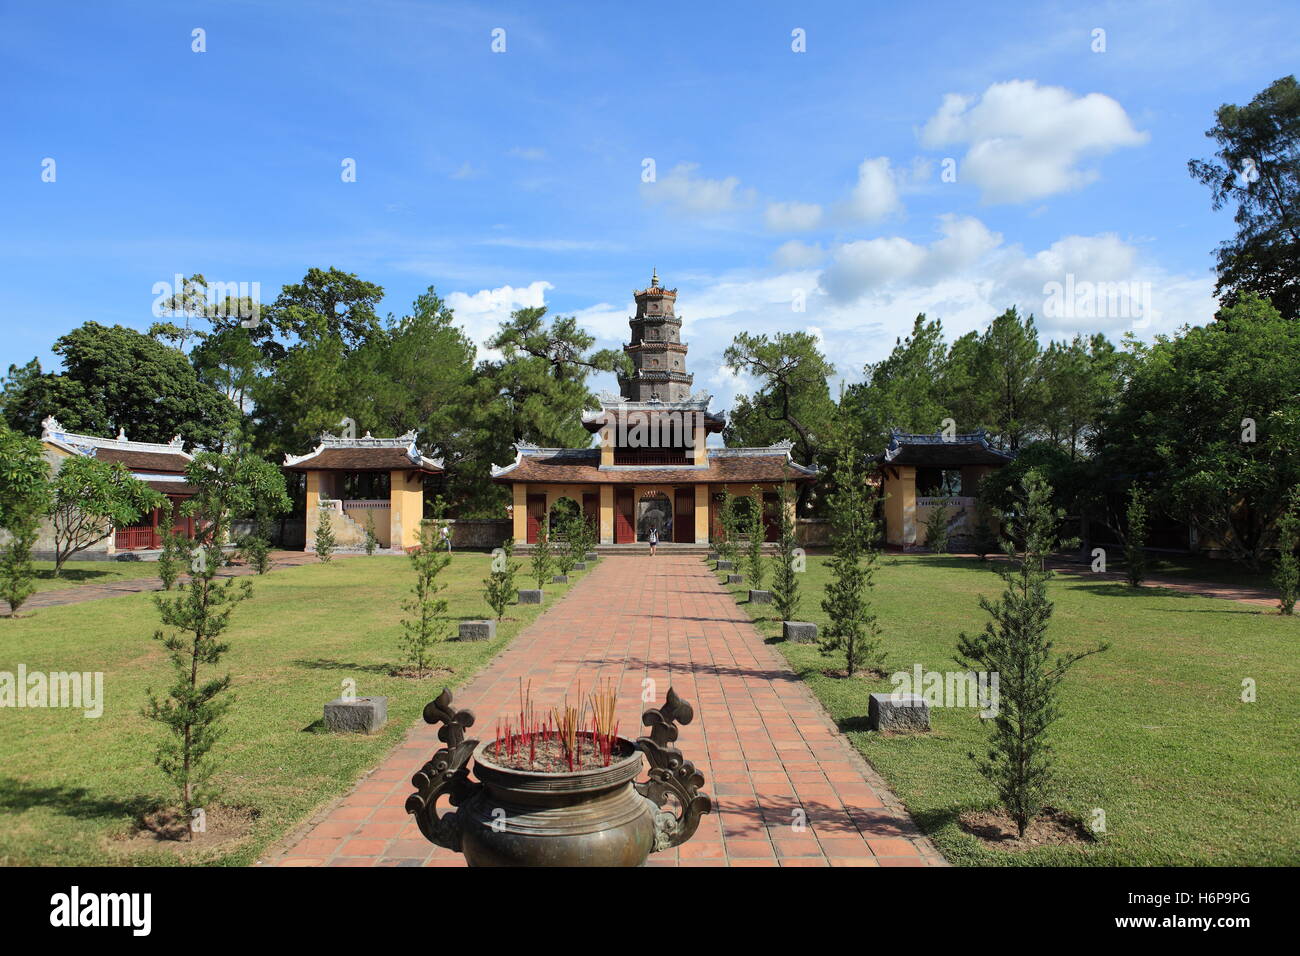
pixel 582 466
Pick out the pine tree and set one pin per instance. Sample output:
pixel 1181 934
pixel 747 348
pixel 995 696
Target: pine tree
pixel 17 573
pixel 1286 574
pixel 785 577
pixel 755 532
pixel 428 622
pixel 543 561
pixel 936 527
pixel 499 585
pixel 853 627
pixel 175 548
pixel 372 539
pixel 1135 541
pixel 984 540
pixel 324 534
pixel 728 543
pixel 1014 645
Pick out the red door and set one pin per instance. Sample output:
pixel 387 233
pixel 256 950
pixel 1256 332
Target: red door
pixel 591 510
pixel 684 516
pixel 624 527
pixel 536 511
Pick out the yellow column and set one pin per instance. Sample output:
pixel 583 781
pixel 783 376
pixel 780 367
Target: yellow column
pixel 520 511
pixel 900 506
pixel 311 514
pixel 606 514
pixel 405 508
pixel 701 514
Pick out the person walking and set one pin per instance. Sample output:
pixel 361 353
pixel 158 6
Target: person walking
pixel 654 540
pixel 445 532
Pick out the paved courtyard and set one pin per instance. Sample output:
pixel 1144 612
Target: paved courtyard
pixel 663 619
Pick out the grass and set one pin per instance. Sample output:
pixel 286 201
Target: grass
pixel 1153 732
pixel 70 787
pixel 91 572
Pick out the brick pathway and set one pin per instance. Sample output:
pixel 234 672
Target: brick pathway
pixel 95 592
pixel 666 619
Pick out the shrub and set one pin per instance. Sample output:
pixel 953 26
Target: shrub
pixel 1014 645
pixel 936 527
pixel 852 627
pixel 785 579
pixel 372 539
pixel 17 573
pixel 1135 540
pixel 427 623
pixel 755 532
pixel 1286 574
pixel 324 533
pixel 499 585
pixel 543 560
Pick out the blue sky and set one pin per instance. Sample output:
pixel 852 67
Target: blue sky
pixel 516 178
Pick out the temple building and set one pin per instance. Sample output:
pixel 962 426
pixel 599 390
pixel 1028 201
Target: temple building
pixel 161 467
pixel 652 467
pixel 923 472
pixel 365 483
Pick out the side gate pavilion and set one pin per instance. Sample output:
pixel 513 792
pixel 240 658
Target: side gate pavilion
pixel 923 472
pixel 652 467
pixel 365 480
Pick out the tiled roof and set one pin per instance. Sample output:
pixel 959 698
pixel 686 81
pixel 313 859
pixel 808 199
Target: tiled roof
pixel 364 454
pixel 582 466
pixel 938 451
pixel 135 455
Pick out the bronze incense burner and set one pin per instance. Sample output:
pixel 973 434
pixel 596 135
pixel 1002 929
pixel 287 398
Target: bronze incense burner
pixel 600 816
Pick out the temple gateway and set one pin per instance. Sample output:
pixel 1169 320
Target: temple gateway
pixel 652 467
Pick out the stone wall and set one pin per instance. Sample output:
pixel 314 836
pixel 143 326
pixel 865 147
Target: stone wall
pixel 479 533
pixel 813 532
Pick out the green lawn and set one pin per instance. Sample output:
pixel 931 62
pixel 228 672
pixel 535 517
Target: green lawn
pixel 70 785
pixel 90 572
pixel 1153 732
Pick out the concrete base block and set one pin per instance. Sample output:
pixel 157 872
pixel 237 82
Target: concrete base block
pixel 580 566
pixel 590 556
pixel 560 579
pixel 711 556
pixel 907 712
pixel 478 630
pixel 735 579
pixel 360 715
pixel 530 596
pixel 760 597
pixel 726 566
pixel 801 632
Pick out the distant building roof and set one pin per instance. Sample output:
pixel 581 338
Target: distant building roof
pixel 364 454
pixel 938 451
pixel 582 466
pixel 135 455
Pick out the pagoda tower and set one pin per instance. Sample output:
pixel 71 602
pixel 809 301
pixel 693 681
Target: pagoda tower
pixel 657 352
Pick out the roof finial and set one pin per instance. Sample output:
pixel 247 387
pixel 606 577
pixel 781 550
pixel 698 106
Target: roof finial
pixel 654 278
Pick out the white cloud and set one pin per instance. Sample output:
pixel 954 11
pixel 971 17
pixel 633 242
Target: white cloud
pixel 1026 141
pixel 534 154
pixel 792 216
pixel 869 265
pixel 875 196
pixel 482 312
pixel 465 171
pixel 683 190
pixel 797 255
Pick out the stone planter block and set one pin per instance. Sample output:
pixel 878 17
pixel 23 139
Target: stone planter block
pixel 801 632
pixel 735 579
pixel 590 556
pixel 760 597
pixel 530 596
pixel 580 566
pixel 360 715
pixel 907 713
pixel 711 556
pixel 478 630
pixel 560 579
pixel 726 566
